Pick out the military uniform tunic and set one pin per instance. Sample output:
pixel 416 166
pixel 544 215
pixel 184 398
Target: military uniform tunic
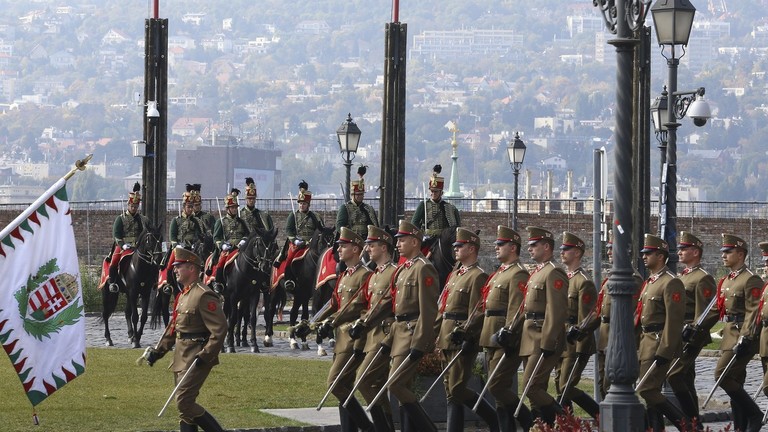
pixel 302 225
pixel 255 218
pixel 128 227
pixel 582 299
pixel 459 300
pixel 230 229
pixel 208 220
pixel 186 230
pixel 356 217
pixel 546 309
pixel 662 310
pixel 416 291
pixel 197 330
pixel 440 215
pixel 739 296
pixel 764 337
pixel 503 296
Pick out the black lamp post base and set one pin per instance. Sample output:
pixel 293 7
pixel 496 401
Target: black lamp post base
pixel 621 410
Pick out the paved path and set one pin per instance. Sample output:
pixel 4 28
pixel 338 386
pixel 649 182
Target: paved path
pixel 705 368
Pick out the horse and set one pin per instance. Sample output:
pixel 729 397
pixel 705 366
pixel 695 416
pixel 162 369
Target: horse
pixel 248 275
pixel 137 278
pixel 441 253
pixel 301 275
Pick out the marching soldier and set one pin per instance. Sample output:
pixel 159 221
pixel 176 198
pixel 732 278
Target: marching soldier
pixel 764 321
pixel 300 226
pixel 440 214
pixel 545 309
pixel 229 233
pixel 459 331
pixel 660 312
pixel 502 300
pixel 355 214
pixel 252 216
pixel 738 301
pixel 197 331
pixel 125 230
pixel 347 353
pixel 373 325
pixel 185 229
pixel 206 218
pixel 415 293
pixel 582 297
pixel 700 289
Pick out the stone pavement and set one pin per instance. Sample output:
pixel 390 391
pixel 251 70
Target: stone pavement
pixel 327 419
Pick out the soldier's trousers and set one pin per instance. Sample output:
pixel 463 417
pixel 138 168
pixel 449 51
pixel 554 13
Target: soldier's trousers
pixel 537 394
pixel 604 384
pixel 650 390
pixel 375 378
pixel 736 375
pixel 457 377
pixel 764 360
pixel 186 396
pixel 682 378
pixel 501 384
pixel 347 362
pixel 401 386
pixel 564 372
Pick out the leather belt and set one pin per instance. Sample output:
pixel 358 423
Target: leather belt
pixel 653 328
pixel 534 315
pixel 605 319
pixel 495 312
pixel 456 316
pixel 406 317
pixel 734 318
pixel 186 336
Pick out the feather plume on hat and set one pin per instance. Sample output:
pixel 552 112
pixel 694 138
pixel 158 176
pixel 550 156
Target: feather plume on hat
pixel 197 186
pixel 437 169
pixel 234 192
pixel 303 185
pixel 362 170
pixel 190 187
pixel 249 181
pixel 136 187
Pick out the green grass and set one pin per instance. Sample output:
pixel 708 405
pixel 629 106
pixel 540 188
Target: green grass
pixel 116 395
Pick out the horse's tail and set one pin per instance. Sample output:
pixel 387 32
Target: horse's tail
pixel 156 299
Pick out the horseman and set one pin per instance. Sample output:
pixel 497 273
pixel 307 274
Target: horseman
pixel 355 214
pixel 230 233
pixel 439 214
pixel 206 218
pixel 126 229
pixel 185 229
pixel 254 217
pixel 300 227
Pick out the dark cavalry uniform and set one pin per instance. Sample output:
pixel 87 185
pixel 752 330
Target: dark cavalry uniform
pixel 229 230
pixel 356 217
pixel 125 231
pixel 208 221
pixel 186 230
pixel 440 215
pixel 255 218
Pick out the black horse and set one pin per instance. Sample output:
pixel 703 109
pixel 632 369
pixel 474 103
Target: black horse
pixel 246 277
pixel 441 253
pixel 301 275
pixel 137 278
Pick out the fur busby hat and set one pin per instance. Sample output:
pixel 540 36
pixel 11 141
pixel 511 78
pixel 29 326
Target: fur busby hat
pixel 135 196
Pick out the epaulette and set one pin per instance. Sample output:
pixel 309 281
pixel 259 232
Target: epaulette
pixel 749 271
pixel 583 273
pixel 701 269
pixel 422 259
pixel 669 272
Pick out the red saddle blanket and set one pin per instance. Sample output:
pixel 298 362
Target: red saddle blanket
pixel 327 270
pixel 105 268
pixel 294 254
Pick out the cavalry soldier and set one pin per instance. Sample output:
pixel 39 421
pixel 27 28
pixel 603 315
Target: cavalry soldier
pixel 126 229
pixel 700 289
pixel 738 301
pixel 185 229
pixel 440 214
pixel 206 218
pixel 545 309
pixel 355 214
pixel 764 321
pixel 502 300
pixel 346 306
pixel 230 233
pixel 660 312
pixel 459 331
pixel 374 324
pixel 415 294
pixel 582 298
pixel 252 216
pixel 299 227
pixel 197 331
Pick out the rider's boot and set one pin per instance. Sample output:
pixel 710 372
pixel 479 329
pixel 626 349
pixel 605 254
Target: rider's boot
pixel 111 281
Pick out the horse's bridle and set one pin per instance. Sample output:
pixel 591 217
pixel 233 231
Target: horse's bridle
pixel 149 256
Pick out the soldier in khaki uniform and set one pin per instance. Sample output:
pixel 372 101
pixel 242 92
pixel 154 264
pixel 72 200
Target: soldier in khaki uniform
pixel 415 293
pixel 502 300
pixel 460 331
pixel 546 306
pixel 582 297
pixel 373 325
pixel 440 214
pixel 738 301
pixel 659 313
pixel 197 332
pixel 764 321
pixel 253 217
pixel 700 289
pixel 345 307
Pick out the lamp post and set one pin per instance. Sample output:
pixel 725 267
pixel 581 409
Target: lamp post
pixel 516 153
pixel 348 135
pixel 621 410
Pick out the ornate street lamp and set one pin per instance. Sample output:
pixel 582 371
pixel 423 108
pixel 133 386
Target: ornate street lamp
pixel 348 135
pixel 516 153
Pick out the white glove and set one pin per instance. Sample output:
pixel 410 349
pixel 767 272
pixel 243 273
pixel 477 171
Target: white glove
pixel 127 246
pixel 226 246
pixel 241 244
pixel 298 242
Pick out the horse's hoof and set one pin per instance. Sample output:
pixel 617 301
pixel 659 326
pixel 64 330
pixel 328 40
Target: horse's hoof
pixel 294 345
pixel 136 344
pixel 332 343
pixel 304 346
pixel 321 351
pixel 109 343
pixel 268 342
pixel 255 349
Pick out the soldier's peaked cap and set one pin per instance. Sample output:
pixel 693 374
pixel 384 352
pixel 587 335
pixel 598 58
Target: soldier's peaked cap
pixel 378 234
pixel 763 249
pixel 687 240
pixel 571 240
pixel 731 241
pixel 465 236
pixel 505 234
pixel 536 233
pixel 347 236
pixel 653 243
pixel 183 255
pixel 406 228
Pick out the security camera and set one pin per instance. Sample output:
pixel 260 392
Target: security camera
pixel 152 112
pixel 699 111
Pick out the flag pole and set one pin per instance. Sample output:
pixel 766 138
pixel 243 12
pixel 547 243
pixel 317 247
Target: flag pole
pixel 79 166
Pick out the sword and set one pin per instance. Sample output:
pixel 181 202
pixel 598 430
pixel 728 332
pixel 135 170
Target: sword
pixel 757 394
pixel 218 205
pixel 335 381
pixel 647 374
pixel 765 416
pixel 362 375
pixel 570 379
pixel 697 324
pixel 175 389
pixel 717 384
pixel 488 382
pixel 387 384
pixel 439 377
pixel 424 191
pixel 528 384
pixel 293 207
